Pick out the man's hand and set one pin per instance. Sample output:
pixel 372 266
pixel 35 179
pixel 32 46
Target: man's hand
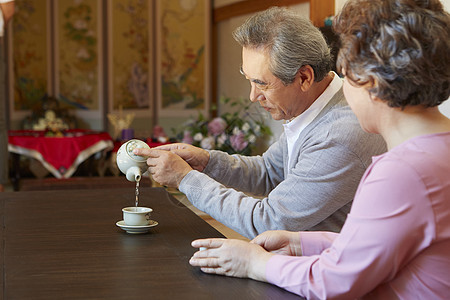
pixel 196 157
pixel 165 167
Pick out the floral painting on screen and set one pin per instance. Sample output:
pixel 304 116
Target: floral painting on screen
pixel 182 54
pixel 30 47
pixel 130 54
pixel 78 55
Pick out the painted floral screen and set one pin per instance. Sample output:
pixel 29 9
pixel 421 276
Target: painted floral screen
pixel 97 55
pixel 183 77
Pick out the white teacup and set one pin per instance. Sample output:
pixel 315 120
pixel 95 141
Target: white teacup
pixel 136 216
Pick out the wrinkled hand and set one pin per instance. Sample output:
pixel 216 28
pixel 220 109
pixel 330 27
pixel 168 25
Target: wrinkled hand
pixel 196 157
pixel 231 258
pixel 165 167
pixel 280 242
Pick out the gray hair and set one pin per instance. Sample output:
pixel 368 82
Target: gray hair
pixel 290 40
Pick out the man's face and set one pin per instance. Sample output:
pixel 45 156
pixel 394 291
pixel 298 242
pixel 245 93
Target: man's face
pixel 282 102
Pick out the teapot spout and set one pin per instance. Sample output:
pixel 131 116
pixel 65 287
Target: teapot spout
pixel 134 174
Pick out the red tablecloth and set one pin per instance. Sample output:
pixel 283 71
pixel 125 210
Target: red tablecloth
pixel 60 155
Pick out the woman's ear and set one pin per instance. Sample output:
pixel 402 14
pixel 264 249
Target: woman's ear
pixel 372 97
pixel 375 99
pixel 305 77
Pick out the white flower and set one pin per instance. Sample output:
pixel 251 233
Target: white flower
pixel 41 125
pixel 207 143
pixel 221 140
pixel 236 130
pixel 246 127
pixel 198 137
pixel 50 115
pixel 252 138
pixel 257 129
pixel 190 123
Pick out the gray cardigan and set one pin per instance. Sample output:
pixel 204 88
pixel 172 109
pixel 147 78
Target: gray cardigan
pixel 259 193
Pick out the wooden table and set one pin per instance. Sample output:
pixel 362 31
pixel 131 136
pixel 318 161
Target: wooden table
pixel 66 245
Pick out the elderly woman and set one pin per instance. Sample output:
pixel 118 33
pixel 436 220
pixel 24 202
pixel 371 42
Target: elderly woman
pixel 395 242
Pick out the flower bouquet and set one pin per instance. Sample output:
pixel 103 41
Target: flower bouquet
pixel 234 133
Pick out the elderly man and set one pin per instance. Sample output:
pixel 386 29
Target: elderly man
pixel 307 179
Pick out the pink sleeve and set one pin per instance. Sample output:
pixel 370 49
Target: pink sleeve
pixel 388 225
pixel 314 242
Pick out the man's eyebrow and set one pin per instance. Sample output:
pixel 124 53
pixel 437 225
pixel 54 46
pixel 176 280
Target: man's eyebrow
pixel 257 81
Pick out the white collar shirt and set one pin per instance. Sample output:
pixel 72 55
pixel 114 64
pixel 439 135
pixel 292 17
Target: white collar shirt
pixel 294 127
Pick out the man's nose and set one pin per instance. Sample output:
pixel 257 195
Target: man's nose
pixel 255 94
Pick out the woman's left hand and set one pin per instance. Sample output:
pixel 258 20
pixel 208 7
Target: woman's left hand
pixel 231 258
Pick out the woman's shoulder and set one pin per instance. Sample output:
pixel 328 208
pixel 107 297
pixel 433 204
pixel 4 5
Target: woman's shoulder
pixel 423 159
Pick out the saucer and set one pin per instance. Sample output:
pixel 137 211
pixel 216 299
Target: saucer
pixel 136 229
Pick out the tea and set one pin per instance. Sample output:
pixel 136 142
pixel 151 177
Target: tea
pixel 137 193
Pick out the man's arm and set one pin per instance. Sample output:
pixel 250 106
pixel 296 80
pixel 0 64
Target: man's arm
pixel 255 175
pixel 304 199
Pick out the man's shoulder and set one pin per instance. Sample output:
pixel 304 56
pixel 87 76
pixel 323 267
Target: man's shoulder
pixel 337 108
pixel 338 124
pixel 336 113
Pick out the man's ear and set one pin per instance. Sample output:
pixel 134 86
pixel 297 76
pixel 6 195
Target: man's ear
pixel 305 77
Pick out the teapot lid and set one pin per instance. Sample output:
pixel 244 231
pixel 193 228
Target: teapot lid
pixel 133 144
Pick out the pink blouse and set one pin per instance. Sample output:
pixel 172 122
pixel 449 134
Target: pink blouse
pixel 396 239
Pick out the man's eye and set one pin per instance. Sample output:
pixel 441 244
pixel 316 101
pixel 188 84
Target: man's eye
pixel 261 86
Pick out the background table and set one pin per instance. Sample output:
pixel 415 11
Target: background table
pixel 65 245
pixel 59 155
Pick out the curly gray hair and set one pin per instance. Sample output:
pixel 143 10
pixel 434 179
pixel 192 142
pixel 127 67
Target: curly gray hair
pixel 400 49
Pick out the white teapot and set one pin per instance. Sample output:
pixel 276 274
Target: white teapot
pixel 130 164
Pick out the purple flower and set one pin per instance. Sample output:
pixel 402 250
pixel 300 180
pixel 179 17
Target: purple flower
pixel 187 138
pixel 217 126
pixel 238 141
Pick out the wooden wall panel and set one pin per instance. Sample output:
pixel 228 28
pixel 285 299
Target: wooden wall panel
pixel 319 9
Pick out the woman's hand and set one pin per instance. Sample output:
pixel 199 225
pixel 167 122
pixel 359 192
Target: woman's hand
pixel 280 242
pixel 231 258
